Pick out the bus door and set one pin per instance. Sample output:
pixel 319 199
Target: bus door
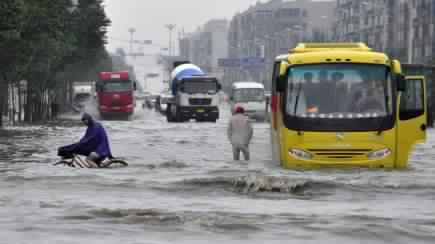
pixel 412 118
pixel 276 115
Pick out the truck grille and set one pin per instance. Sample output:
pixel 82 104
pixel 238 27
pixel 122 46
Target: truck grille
pixel 340 153
pixel 200 101
pixel 116 103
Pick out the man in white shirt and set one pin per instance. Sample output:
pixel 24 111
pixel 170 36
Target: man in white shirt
pixel 240 133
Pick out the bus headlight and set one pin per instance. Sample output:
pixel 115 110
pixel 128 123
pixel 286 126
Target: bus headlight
pixel 299 153
pixel 379 154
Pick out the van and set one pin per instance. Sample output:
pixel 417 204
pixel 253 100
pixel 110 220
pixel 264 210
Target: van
pixel 249 95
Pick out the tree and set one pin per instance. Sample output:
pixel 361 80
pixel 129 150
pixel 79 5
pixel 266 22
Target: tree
pixel 11 15
pixel 91 34
pixel 46 44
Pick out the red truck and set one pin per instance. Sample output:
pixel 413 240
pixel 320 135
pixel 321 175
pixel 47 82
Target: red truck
pixel 115 94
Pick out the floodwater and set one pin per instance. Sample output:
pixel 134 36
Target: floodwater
pixel 182 187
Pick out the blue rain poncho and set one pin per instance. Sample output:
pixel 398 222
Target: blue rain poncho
pixel 94 140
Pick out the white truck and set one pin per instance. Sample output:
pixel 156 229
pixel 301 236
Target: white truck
pixel 83 95
pixel 194 95
pixel 249 95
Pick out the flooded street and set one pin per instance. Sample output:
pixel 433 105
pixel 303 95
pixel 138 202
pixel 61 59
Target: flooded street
pixel 346 82
pixel 183 187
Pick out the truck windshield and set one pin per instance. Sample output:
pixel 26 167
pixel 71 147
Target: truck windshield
pixel 82 97
pixel 248 95
pixel 200 86
pixel 343 91
pixel 117 86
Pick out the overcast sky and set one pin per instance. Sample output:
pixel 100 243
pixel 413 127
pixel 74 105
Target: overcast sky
pixel 149 17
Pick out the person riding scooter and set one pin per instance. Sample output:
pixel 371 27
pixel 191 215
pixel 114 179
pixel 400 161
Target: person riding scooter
pixel 94 144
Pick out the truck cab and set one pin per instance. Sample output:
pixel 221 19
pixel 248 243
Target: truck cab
pixel 194 94
pixel 196 98
pixel 82 96
pixel 115 94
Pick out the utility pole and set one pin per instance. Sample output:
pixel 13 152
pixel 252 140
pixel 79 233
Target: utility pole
pixel 132 31
pixel 411 14
pixel 170 27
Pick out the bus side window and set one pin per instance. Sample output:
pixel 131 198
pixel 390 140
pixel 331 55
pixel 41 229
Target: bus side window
pixel 412 100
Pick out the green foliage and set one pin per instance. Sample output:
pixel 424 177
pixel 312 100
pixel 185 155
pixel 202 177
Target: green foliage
pixel 46 43
pixel 44 37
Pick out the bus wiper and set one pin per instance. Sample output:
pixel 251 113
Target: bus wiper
pixel 385 118
pixel 298 94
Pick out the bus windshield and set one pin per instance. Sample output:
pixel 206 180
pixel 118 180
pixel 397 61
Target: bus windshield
pixel 339 91
pixel 248 95
pixel 117 86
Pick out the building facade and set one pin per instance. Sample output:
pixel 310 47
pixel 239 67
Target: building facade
pixel 269 29
pixel 206 46
pixel 402 28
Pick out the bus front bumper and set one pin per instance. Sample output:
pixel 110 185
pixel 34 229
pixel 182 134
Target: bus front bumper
pixel 292 160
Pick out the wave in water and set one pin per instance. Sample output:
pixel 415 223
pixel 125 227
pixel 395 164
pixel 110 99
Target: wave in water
pixel 252 184
pixel 135 216
pixel 259 183
pixel 168 165
pixel 212 221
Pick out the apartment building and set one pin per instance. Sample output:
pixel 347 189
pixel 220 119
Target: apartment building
pixel 402 28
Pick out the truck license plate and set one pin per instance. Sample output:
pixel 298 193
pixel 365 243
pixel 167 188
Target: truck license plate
pixel 200 110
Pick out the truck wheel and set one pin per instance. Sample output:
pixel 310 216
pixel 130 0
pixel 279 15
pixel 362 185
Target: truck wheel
pixel 169 116
pixel 178 117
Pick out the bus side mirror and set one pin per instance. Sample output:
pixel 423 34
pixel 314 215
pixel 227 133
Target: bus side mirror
pixel 219 86
pixel 134 86
pixel 401 83
pixel 98 87
pixel 280 83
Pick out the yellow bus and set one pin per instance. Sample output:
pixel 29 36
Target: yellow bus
pixel 344 105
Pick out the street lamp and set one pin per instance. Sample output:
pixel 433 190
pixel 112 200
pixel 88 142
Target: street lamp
pixel 170 27
pixel 132 31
